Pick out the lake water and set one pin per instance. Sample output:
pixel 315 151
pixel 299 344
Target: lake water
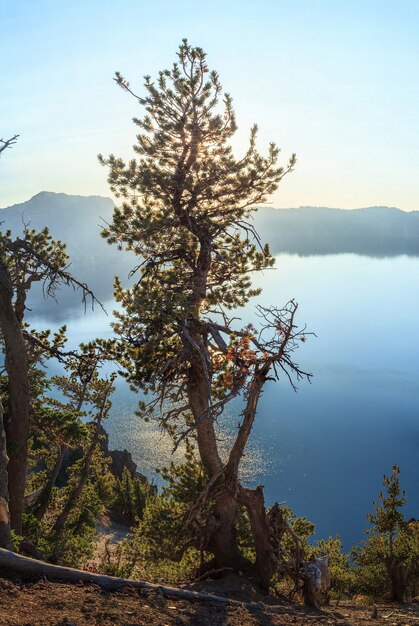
pixel 324 449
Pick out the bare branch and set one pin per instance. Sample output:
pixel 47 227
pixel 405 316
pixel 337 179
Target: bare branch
pixel 7 143
pixel 53 275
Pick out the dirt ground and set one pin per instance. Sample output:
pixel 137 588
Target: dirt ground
pixel 54 604
pixel 109 535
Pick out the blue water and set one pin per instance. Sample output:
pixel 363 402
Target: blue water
pixel 324 449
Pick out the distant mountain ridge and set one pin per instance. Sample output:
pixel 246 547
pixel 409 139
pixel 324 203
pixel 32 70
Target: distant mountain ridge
pixel 372 231
pixel 77 220
pixel 378 230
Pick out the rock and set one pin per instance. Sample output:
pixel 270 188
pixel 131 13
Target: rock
pixel 121 459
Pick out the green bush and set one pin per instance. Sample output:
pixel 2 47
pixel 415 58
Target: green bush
pixel 129 497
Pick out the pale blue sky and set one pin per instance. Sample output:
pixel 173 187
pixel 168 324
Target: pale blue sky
pixel 336 81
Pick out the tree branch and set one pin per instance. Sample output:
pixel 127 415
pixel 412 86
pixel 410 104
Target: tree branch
pixel 7 143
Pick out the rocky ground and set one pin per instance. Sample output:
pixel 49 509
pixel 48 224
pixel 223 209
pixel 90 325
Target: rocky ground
pixel 55 604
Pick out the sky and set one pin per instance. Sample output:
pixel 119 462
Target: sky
pixel 335 81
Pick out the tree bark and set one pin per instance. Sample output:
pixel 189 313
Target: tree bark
pixel 310 591
pixel 4 493
pixel 222 542
pixel 17 422
pixel 398 581
pixel 199 403
pixel 264 566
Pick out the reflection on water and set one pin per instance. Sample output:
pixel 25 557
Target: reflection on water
pixel 152 448
pixel 324 449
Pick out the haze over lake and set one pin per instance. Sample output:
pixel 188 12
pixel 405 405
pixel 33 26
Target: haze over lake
pixel 322 450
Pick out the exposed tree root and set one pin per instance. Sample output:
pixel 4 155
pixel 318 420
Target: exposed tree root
pixel 213 572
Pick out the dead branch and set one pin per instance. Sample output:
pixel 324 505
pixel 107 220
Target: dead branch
pixel 6 143
pixel 213 572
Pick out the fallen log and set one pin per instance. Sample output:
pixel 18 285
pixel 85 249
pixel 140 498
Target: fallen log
pixel 33 569
pixel 30 569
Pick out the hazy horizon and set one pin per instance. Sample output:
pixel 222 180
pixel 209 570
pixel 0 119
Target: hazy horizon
pixel 269 205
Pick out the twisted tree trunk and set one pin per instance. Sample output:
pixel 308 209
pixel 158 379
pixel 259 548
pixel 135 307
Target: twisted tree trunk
pixel 222 541
pixel 4 493
pixel 17 422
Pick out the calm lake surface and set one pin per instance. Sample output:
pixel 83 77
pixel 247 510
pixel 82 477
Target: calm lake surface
pixel 324 449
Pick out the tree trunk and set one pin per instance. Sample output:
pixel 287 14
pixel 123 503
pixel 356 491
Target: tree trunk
pixel 44 499
pixel 398 581
pixel 17 422
pixel 222 542
pixel 79 486
pixel 4 493
pixel 264 566
pixel 311 591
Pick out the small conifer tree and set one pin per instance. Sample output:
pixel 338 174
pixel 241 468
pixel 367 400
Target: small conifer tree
pixel 389 560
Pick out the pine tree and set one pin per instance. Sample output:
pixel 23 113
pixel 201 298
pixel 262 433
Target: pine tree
pixel 5 540
pixel 391 553
pixel 33 257
pixel 99 395
pixel 388 519
pixel 188 203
